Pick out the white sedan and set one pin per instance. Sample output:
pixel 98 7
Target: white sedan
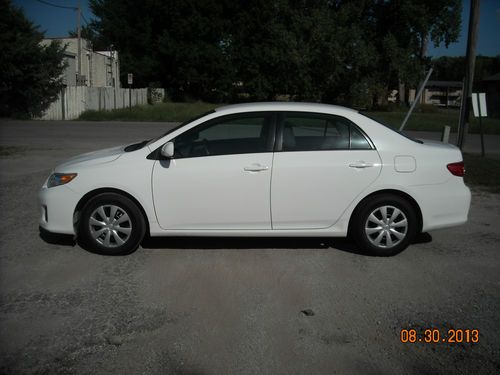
pixel 261 169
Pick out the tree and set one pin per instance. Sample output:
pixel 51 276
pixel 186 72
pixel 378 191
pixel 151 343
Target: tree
pixel 179 43
pixel 448 68
pixel 89 33
pixel 342 51
pixel 31 73
pixel 404 29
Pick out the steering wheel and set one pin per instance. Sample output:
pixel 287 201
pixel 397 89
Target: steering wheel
pixel 204 146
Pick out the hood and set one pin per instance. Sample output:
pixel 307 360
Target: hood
pixel 91 158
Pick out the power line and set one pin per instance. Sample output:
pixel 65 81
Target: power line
pixel 56 5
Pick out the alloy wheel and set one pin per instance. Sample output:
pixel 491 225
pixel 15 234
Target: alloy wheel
pixel 386 226
pixel 110 225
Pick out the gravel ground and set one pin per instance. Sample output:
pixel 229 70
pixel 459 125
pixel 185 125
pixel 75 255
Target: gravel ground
pixel 225 306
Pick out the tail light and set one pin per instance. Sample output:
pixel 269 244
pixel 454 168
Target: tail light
pixel 457 169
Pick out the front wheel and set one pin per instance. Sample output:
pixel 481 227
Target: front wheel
pixel 111 224
pixel 385 225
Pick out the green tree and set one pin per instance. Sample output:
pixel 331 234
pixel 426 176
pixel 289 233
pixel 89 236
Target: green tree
pixel 448 68
pixel 306 50
pixel 179 43
pixel 404 30
pixel 89 32
pixel 343 51
pixel 31 73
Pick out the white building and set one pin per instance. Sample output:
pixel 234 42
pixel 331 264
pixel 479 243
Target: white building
pixel 98 68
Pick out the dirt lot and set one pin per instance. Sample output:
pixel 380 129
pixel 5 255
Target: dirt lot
pixel 225 306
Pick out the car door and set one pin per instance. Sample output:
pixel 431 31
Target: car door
pixel 323 162
pixel 219 177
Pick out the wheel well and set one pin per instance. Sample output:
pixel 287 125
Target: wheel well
pixel 399 193
pixel 91 194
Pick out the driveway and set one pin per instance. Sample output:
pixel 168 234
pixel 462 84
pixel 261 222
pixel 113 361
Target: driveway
pixel 231 305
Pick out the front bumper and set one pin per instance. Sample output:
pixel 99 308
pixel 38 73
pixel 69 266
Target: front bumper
pixel 57 206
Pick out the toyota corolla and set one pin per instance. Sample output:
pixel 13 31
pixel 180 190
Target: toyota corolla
pixel 262 169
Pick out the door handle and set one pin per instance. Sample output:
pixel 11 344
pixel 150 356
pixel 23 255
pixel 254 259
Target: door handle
pixel 360 164
pixel 256 168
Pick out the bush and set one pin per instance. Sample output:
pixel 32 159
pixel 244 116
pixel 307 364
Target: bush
pixel 31 73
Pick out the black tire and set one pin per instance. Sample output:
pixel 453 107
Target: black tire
pixel 365 229
pixel 124 231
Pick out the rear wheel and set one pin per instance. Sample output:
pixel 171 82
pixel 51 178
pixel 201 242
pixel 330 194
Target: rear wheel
pixel 385 225
pixel 111 224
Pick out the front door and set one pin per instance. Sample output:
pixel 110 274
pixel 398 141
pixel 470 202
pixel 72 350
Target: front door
pixel 220 176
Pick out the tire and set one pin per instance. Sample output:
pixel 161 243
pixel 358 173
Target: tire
pixel 111 224
pixel 377 231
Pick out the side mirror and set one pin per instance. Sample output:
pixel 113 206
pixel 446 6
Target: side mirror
pixel 167 150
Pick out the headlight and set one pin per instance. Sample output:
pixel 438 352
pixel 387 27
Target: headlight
pixel 57 179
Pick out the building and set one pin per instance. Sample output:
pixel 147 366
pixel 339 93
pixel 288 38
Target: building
pixel 98 68
pixel 439 93
pixel 443 93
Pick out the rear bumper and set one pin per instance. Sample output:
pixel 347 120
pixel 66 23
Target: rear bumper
pixel 57 205
pixel 444 205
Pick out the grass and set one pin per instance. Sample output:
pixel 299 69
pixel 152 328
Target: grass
pixel 482 172
pixel 6 151
pixel 174 112
pixel 435 121
pixel 178 112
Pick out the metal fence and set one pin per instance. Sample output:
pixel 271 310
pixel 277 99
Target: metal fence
pixel 74 100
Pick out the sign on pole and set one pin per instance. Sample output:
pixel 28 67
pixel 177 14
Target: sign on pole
pixel 130 78
pixel 479 108
pixel 479 104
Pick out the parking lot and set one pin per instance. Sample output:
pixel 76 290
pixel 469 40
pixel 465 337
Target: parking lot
pixel 231 305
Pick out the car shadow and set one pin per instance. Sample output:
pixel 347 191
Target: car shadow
pixel 422 238
pixel 234 243
pixel 56 238
pixel 241 243
pixel 228 243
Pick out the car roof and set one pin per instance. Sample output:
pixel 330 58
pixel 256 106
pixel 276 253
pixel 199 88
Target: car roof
pixel 284 106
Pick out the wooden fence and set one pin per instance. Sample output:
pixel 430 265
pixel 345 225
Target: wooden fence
pixel 74 100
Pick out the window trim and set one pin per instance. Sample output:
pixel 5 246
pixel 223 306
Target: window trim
pixel 281 125
pixel 269 116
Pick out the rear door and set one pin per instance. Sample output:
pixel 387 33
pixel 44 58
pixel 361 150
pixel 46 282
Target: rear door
pixel 323 162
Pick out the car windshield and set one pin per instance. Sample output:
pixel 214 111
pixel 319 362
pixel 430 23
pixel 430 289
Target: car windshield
pixel 137 146
pixel 177 127
pixel 390 127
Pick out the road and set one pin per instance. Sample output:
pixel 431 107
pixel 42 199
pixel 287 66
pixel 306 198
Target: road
pixel 226 306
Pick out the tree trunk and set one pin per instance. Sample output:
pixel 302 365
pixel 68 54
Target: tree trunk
pixel 424 43
pixel 402 92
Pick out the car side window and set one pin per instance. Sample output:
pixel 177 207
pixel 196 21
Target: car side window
pixel 228 135
pixel 358 140
pixel 310 132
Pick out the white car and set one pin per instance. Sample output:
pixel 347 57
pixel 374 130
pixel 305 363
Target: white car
pixel 261 169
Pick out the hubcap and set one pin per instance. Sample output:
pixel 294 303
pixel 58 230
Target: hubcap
pixel 386 226
pixel 110 225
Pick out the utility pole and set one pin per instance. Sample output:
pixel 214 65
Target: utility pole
pixel 470 60
pixel 79 34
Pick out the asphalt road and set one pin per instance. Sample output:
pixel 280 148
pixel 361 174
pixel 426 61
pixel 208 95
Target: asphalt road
pixel 226 306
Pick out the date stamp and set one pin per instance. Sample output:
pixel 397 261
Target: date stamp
pixel 437 336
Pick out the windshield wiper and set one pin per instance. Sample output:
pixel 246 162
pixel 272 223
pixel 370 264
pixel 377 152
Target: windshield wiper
pixel 136 146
